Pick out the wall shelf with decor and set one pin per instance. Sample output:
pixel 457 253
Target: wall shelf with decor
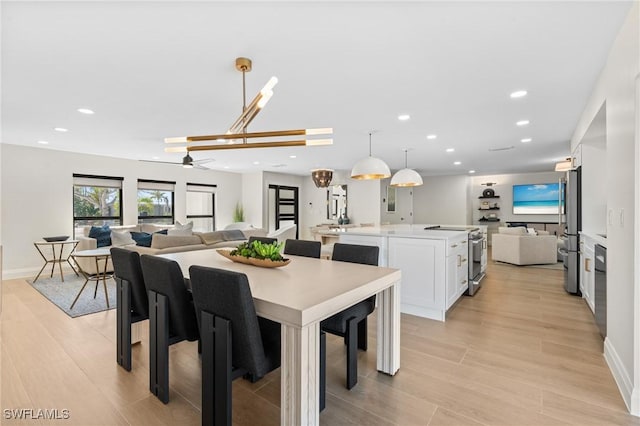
pixel 495 196
pixel 490 208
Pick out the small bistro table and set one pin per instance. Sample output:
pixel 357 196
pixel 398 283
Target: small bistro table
pixel 56 259
pixel 99 255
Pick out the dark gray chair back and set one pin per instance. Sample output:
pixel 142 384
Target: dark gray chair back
pixel 354 253
pixel 126 266
pixel 264 240
pixel 226 294
pixel 303 248
pixel 165 277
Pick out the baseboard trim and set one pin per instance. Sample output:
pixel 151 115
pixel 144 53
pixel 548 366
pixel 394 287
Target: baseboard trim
pixel 31 272
pixel 620 374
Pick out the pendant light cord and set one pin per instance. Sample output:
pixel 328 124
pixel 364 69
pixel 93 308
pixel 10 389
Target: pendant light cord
pixel 405 159
pixel 369 144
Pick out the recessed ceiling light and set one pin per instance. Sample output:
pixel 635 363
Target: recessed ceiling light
pixel 457 163
pixel 292 156
pixel 60 129
pixel 525 140
pixel 450 149
pixel 404 117
pixel 432 136
pixel 472 171
pixel 522 123
pixel 225 167
pixel 43 142
pixel 155 157
pixel 518 94
pixel 256 162
pixel 85 111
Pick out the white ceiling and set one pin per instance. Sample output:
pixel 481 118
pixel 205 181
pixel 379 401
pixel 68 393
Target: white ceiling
pixel 151 70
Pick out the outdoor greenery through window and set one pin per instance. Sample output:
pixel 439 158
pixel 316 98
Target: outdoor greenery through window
pixel 97 200
pixel 201 206
pixel 155 201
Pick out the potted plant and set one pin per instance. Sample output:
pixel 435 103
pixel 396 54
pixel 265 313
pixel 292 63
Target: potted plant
pixel 238 213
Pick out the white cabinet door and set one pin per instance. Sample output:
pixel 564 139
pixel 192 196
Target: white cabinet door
pixel 452 279
pixel 422 262
pixel 589 277
pixel 463 271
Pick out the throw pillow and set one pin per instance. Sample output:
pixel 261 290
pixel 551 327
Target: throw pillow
pixel 180 230
pixel 144 238
pixel 119 239
pixel 141 238
pixel 102 234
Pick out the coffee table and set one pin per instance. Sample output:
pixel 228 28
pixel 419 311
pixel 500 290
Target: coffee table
pixel 99 255
pixel 56 259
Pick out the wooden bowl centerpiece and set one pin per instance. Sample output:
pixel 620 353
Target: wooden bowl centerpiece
pixel 257 254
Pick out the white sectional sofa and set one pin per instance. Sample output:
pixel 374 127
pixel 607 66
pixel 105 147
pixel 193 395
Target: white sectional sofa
pixel 162 244
pixel 515 245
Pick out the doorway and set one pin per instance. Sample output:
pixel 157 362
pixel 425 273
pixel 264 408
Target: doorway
pixel 283 207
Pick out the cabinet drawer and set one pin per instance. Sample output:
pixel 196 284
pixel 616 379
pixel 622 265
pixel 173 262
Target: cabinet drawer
pixel 457 245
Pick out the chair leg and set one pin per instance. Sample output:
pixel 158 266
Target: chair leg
pixel 215 334
pixel 323 370
pixel 352 352
pixel 159 346
pixel 362 334
pixel 123 323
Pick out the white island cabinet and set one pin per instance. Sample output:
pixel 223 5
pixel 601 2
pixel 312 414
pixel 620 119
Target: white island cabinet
pixel 434 264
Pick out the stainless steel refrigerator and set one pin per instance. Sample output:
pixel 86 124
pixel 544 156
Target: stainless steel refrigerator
pixel 573 215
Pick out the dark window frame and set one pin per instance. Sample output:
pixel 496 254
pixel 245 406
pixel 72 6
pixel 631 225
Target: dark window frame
pixel 212 216
pixel 173 201
pixel 75 219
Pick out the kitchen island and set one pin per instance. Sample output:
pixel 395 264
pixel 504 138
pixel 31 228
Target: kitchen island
pixel 434 263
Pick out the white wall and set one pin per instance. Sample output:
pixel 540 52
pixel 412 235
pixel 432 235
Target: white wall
pixel 442 200
pixel 617 87
pixel 252 199
pixel 594 182
pixel 38 196
pixel 504 188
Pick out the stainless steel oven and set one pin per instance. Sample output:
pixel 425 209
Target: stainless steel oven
pixel 477 245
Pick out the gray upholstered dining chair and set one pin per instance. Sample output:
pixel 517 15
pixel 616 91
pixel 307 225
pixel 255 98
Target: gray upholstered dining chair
pixel 172 317
pixel 235 341
pixel 302 248
pixel 132 303
pixel 351 323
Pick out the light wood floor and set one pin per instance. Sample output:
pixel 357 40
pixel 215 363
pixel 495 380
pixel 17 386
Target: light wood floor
pixel 521 352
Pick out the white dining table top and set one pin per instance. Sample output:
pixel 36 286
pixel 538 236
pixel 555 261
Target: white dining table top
pixel 304 291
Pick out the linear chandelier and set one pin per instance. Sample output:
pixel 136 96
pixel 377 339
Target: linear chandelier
pixel 237 136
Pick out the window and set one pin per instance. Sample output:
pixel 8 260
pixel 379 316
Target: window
pixel 201 206
pixel 97 200
pixel 155 201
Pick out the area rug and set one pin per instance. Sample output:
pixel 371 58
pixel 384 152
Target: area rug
pixel 62 294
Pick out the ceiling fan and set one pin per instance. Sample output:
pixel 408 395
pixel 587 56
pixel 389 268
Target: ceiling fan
pixel 187 162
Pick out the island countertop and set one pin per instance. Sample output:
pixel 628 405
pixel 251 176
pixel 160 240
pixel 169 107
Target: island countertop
pixel 402 231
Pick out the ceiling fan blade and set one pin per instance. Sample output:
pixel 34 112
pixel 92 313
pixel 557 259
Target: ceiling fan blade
pixel 203 161
pixel 162 162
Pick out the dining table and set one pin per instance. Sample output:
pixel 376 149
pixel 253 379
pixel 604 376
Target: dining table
pixel 299 296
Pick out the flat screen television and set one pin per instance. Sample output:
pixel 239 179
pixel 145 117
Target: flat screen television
pixel 539 198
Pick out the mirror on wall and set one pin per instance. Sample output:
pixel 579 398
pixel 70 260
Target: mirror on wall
pixel 336 201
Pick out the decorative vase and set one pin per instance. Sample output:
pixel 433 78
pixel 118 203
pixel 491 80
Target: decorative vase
pixel 345 220
pixel 340 220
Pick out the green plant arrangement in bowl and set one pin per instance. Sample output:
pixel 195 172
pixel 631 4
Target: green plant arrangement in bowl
pixel 258 254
